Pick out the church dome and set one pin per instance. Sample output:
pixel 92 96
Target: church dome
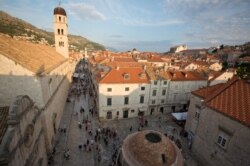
pixel 59 10
pixel 150 148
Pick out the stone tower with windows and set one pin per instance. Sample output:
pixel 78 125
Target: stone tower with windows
pixel 61 31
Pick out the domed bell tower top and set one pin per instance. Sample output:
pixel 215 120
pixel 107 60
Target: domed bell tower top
pixel 61 31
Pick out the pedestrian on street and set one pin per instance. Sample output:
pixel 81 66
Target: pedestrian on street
pixel 130 129
pixel 66 154
pixel 146 122
pixel 80 147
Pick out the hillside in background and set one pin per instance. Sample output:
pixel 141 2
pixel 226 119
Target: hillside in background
pixel 16 27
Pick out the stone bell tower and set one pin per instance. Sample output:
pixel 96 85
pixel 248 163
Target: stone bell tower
pixel 61 31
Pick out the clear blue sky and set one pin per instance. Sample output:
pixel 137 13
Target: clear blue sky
pixel 148 25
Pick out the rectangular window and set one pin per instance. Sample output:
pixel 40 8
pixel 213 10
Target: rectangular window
pixel 162 101
pixel 109 89
pixel 142 88
pixel 165 82
pixel 126 100
pixel 163 92
pixel 127 89
pixel 155 82
pixel 197 115
pixel 109 101
pixel 153 101
pixel 109 115
pixel 197 112
pixel 154 92
pixel 141 99
pixel 222 141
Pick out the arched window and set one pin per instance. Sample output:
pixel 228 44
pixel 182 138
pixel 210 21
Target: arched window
pixel 62 31
pixel 60 18
pixel 58 30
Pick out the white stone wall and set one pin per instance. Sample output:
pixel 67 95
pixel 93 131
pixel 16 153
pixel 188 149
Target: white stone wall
pixel 191 66
pixel 16 80
pixel 215 67
pixel 117 95
pixel 179 91
pixel 223 78
pixel 159 97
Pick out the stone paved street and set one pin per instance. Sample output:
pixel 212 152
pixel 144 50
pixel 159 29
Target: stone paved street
pixel 75 136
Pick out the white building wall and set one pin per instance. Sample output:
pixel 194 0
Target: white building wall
pixel 215 67
pixel 155 102
pixel 118 93
pixel 179 92
pixel 191 67
pixel 223 78
pixel 16 80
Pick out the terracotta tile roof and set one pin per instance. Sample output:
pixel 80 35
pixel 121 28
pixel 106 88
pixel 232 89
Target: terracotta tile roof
pixel 186 76
pixel 98 59
pixel 245 59
pixel 34 57
pixel 157 73
pixel 124 64
pixel 200 63
pixel 134 75
pixel 4 112
pixel 215 74
pixel 155 58
pixel 123 59
pixel 232 99
pixel 207 91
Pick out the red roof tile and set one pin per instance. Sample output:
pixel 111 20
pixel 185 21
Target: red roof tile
pixel 185 76
pixel 207 91
pixel 124 64
pixel 232 99
pixel 123 59
pixel 4 112
pixel 118 76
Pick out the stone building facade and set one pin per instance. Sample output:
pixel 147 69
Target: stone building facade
pixel 218 123
pixel 123 93
pixel 41 80
pixel 24 139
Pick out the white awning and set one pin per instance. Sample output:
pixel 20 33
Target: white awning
pixel 180 115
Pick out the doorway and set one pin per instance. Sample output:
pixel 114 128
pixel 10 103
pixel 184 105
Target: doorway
pixel 173 108
pixel 125 114
pixel 161 109
pixel 151 111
